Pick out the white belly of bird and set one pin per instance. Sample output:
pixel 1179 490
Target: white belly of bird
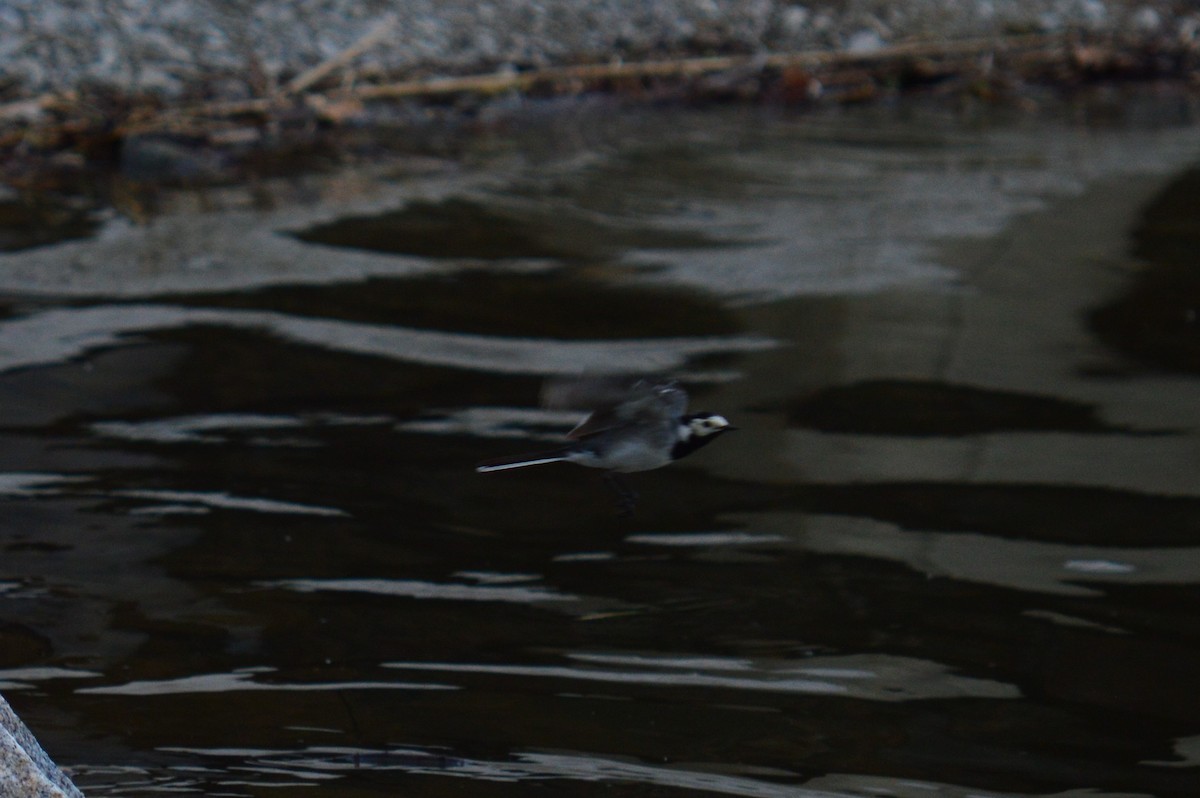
pixel 626 456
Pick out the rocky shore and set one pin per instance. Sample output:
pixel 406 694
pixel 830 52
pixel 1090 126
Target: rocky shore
pixel 242 48
pixel 25 769
pixel 95 85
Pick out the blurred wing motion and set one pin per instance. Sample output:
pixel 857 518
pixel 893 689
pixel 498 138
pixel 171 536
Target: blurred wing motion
pixel 615 401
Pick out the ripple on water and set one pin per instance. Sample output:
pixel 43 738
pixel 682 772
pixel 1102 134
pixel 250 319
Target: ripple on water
pixel 869 677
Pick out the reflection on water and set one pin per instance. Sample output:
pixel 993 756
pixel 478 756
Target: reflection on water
pixel 307 768
pixel 458 229
pixel 55 335
pixel 1155 321
pixel 245 680
pixel 893 407
pixel 25 224
pixel 1066 568
pixel 954 551
pixel 415 589
pixel 876 678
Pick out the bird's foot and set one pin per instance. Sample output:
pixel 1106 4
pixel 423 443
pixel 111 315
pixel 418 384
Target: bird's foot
pixel 627 497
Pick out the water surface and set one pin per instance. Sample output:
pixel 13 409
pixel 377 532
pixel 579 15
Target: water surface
pixel 954 551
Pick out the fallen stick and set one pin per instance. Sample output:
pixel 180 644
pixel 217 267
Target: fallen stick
pixel 496 82
pixel 378 32
pixel 1047 46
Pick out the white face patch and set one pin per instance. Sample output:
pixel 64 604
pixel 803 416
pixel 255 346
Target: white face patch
pixel 708 425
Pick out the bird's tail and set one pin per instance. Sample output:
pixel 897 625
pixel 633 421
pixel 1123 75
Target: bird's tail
pixel 521 460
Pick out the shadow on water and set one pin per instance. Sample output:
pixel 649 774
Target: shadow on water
pixel 893 407
pixel 25 224
pixel 457 228
pixel 543 304
pixel 954 551
pixel 1155 320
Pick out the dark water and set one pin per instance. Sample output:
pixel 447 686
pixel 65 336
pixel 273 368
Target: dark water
pixel 955 550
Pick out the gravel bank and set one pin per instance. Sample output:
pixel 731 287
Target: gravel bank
pixel 241 48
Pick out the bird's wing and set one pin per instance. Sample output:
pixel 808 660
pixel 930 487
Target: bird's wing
pixel 585 392
pixel 645 401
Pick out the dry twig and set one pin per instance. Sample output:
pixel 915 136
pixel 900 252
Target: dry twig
pixel 1027 49
pixel 496 82
pixel 376 35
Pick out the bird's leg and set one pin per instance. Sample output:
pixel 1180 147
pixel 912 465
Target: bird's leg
pixel 626 496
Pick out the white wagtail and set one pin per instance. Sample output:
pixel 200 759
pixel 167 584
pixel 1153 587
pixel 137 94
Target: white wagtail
pixel 636 425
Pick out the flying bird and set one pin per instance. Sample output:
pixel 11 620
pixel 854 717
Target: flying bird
pixel 635 425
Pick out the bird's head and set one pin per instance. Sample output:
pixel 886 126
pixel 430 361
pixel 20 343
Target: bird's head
pixel 699 429
pixel 706 425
